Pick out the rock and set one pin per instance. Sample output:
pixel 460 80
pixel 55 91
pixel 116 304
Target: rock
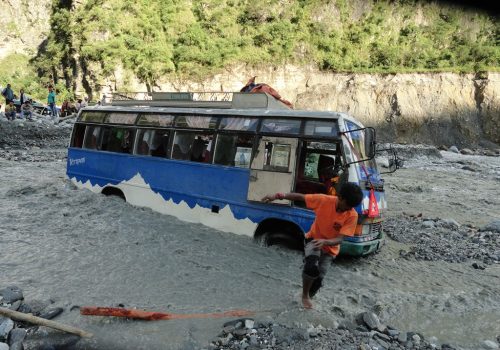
pixel 15 306
pixel 489 153
pixel 477 266
pixel 12 294
pixel 240 333
pixel 466 167
pixel 442 148
pixel 428 224
pixel 4 346
pixel 16 337
pixel 371 320
pixel 493 226
pixel 453 149
pixel 313 332
pixel 488 344
pixel 238 323
pixel 254 340
pixel 385 344
pixel 450 223
pixel 415 339
pixel 6 325
pixel 466 151
pixel 393 332
pixel 447 347
pixel 402 337
pixel 382 335
pixel 249 323
pixel 52 313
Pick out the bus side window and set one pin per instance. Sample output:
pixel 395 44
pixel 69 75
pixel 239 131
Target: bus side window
pixel 277 156
pixel 193 146
pixel 92 136
pixel 152 143
pixel 234 150
pixel 78 136
pixel 120 140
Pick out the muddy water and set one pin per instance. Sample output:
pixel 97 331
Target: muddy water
pixel 79 248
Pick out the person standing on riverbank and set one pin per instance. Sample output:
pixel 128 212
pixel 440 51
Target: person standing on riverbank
pixel 335 219
pixel 51 102
pixel 8 93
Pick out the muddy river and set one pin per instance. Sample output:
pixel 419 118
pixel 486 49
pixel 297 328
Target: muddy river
pixel 78 248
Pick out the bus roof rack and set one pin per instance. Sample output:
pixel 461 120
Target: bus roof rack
pixel 229 100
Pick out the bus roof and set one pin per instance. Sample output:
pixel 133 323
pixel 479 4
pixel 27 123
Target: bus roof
pixel 241 104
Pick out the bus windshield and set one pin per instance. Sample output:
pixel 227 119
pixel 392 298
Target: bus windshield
pixel 357 139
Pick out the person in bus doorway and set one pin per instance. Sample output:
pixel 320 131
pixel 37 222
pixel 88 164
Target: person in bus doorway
pixel 335 219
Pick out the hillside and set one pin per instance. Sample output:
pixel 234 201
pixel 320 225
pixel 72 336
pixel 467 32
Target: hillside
pixel 363 57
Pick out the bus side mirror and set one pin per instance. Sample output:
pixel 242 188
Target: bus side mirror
pixel 387 157
pixel 370 143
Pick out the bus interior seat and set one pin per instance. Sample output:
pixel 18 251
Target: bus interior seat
pixel 178 154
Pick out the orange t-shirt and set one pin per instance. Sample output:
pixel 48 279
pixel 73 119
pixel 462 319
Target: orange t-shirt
pixel 329 223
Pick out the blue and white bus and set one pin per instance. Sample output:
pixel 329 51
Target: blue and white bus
pixel 210 159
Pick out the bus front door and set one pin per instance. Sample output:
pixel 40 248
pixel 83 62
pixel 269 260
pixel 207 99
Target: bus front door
pixel 272 168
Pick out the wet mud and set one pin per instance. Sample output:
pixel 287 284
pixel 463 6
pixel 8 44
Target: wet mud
pixel 76 248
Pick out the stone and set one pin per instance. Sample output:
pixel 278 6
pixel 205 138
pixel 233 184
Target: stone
pixel 12 294
pixel 478 266
pixel 249 323
pixel 254 340
pixel 385 344
pixel 383 336
pixel 488 344
pixel 52 313
pixel 453 149
pixel 402 337
pixel 15 306
pixel 313 332
pixel 428 224
pixel 371 320
pixel 238 323
pixel 493 226
pixel 433 340
pixel 393 332
pixel 6 325
pixel 450 223
pixel 466 151
pixel 16 337
pixel 240 333
pixel 415 339
pixel 4 346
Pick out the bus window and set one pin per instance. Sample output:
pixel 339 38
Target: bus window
pixel 120 118
pixel 277 156
pixel 92 137
pixel 319 168
pixel 281 126
pixel 93 117
pixel 184 121
pixel 321 128
pixel 156 120
pixel 239 124
pixel 193 146
pixel 234 150
pixel 152 142
pixel 78 135
pixel 118 140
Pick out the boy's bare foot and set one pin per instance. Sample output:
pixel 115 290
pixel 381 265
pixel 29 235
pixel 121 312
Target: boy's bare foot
pixel 307 303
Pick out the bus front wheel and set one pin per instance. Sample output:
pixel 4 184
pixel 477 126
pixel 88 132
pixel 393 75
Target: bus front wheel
pixel 283 239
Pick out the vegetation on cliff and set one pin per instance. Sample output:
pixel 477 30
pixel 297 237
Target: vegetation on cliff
pixel 151 39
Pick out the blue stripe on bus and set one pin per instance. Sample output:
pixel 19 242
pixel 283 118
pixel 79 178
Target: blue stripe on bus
pixel 212 185
pixel 195 183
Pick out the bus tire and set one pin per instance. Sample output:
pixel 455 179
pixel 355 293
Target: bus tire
pixel 113 191
pixel 284 240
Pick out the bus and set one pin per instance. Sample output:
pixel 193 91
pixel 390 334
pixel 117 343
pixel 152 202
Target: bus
pixel 209 158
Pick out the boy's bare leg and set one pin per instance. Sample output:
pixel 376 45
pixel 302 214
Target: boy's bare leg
pixel 306 286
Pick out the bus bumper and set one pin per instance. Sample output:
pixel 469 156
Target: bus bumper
pixel 361 248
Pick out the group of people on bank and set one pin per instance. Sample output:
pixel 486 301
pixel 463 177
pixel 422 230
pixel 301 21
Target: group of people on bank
pixel 24 109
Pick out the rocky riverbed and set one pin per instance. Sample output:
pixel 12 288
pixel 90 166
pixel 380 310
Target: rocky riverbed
pixel 434 285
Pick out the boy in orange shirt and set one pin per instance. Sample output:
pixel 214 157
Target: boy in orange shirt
pixel 335 218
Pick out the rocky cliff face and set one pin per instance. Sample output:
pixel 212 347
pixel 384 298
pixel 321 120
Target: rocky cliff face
pixel 438 108
pixel 24 25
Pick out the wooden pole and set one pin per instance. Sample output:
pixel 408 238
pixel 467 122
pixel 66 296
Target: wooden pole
pixel 19 316
pixel 153 315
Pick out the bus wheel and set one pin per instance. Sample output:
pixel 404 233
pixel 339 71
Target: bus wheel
pixel 284 240
pixel 113 191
